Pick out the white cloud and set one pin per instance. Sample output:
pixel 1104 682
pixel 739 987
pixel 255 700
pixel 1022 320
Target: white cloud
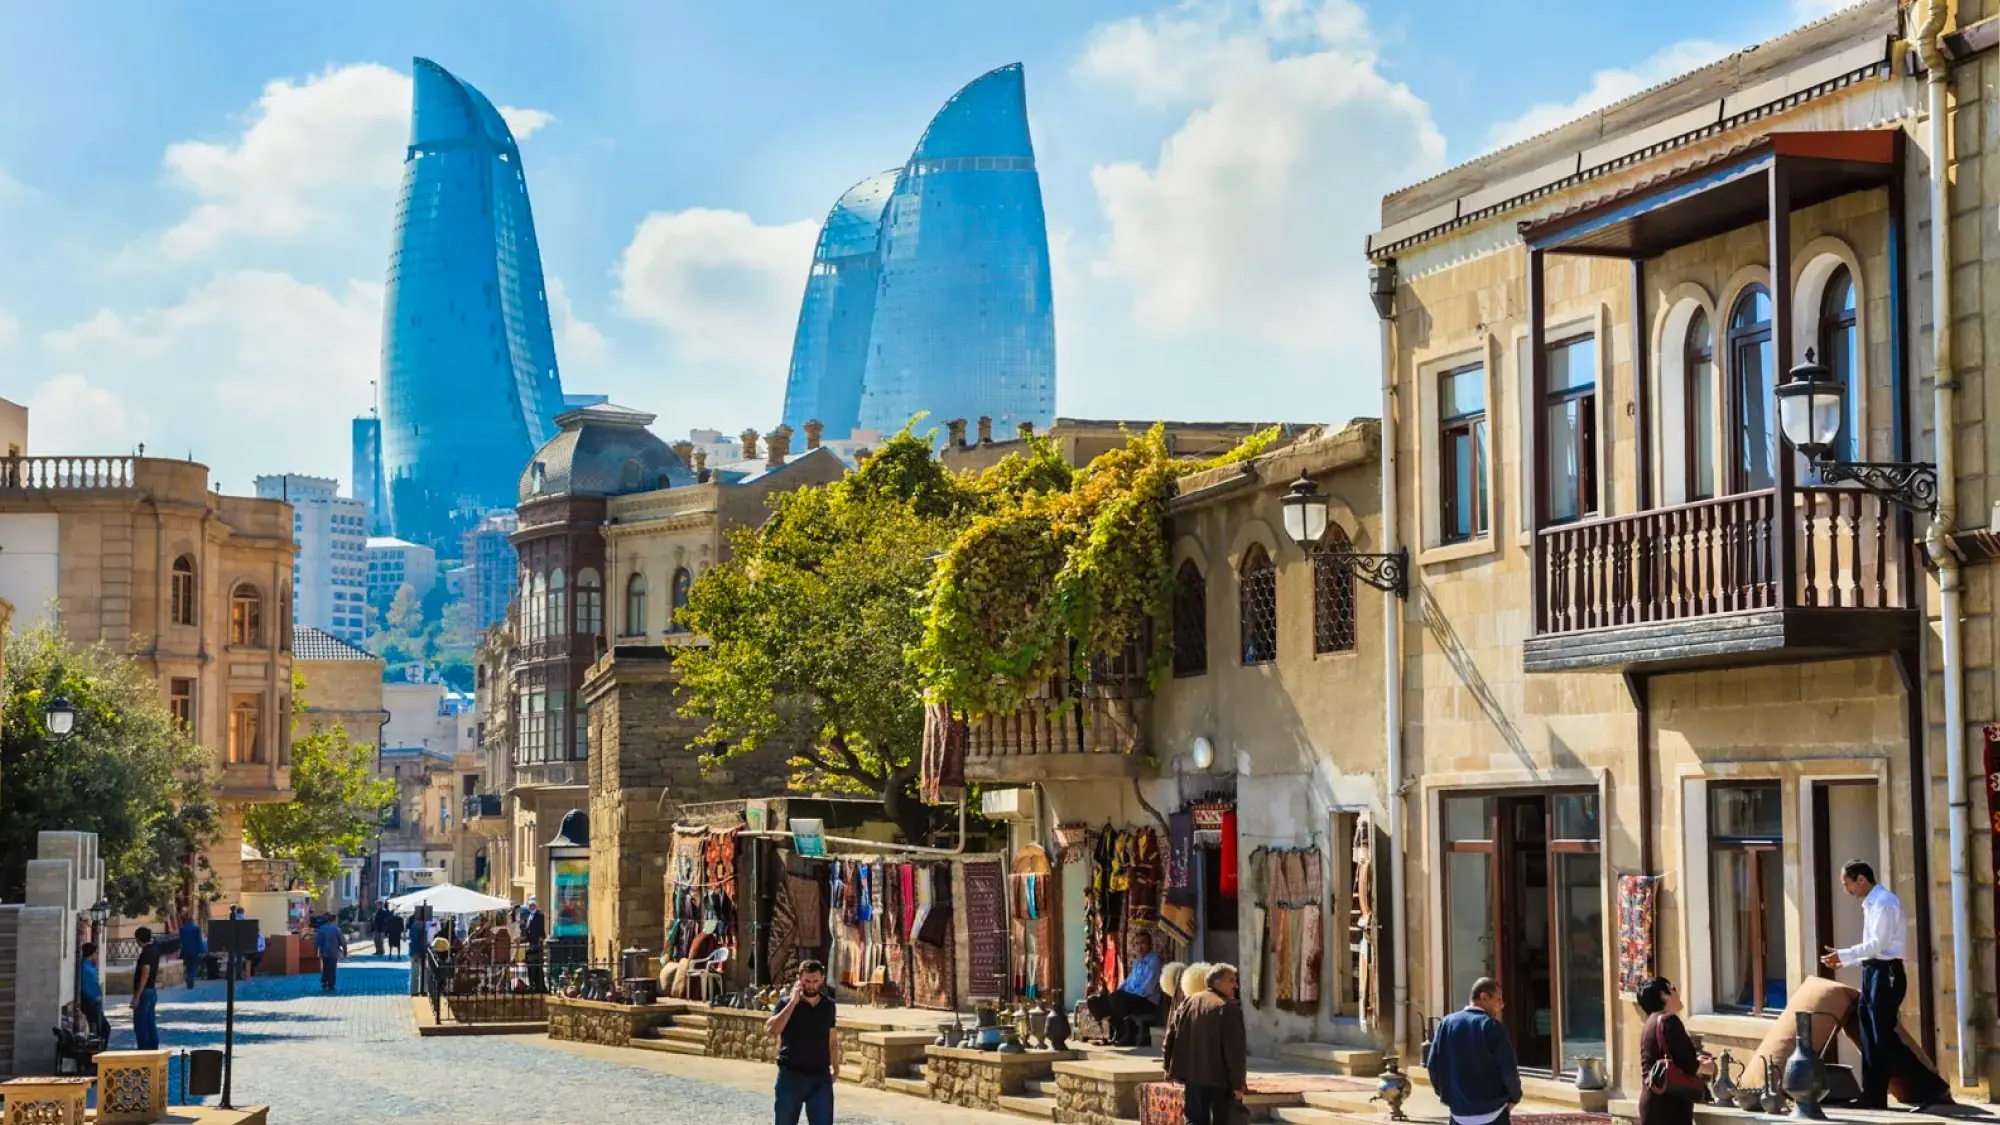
pixel 10 329
pixel 1613 85
pixel 579 345
pixel 725 290
pixel 322 155
pixel 252 373
pixel 1250 222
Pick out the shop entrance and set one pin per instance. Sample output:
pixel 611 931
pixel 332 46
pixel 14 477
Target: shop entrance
pixel 1524 904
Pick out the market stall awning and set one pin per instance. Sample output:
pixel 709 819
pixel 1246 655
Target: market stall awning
pixel 449 899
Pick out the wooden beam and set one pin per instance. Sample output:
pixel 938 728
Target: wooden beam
pixel 1538 384
pixel 1780 219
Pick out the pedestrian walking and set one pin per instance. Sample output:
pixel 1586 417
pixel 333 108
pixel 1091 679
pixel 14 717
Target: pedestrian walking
pixel 146 992
pixel 1885 1058
pixel 193 947
pixel 534 934
pixel 395 932
pixel 1133 1003
pixel 331 944
pixel 808 1048
pixel 90 996
pixel 1471 1060
pixel 379 928
pixel 1207 1052
pixel 1673 1070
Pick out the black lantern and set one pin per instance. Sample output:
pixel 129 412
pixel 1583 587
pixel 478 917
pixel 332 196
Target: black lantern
pixel 1305 511
pixel 1382 288
pixel 1811 404
pixel 1810 407
pixel 1305 522
pixel 59 718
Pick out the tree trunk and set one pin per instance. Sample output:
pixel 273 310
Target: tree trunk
pixel 910 815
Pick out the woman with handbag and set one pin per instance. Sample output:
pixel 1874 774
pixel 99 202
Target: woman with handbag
pixel 1674 1072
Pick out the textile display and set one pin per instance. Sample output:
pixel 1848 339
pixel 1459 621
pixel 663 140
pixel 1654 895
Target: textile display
pixel 1161 1103
pixel 985 928
pixel 1072 843
pixel 943 762
pixel 1180 859
pixel 1229 874
pixel 809 931
pixel 1638 904
pixel 1260 927
pixel 1294 877
pixel 934 973
pixel 1036 951
pixel 1127 875
pixel 1361 868
pixel 781 950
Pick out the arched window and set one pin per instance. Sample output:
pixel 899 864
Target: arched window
pixel 1258 606
pixel 1333 593
pixel 246 729
pixel 555 618
pixel 1190 621
pixel 246 616
pixel 1840 349
pixel 683 581
pixel 183 596
pixel 523 611
pixel 635 606
pixel 1751 362
pixel 589 603
pixel 1698 361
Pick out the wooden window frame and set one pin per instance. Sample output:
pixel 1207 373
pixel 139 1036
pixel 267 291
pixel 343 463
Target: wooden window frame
pixel 1832 320
pixel 184 593
pixel 1738 341
pixel 1588 502
pixel 1473 426
pixel 246 616
pixel 1751 847
pixel 635 606
pixel 1693 355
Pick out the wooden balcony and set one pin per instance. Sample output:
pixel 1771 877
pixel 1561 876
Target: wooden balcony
pixel 1061 737
pixel 1727 582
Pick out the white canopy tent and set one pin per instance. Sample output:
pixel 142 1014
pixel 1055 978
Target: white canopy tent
pixel 448 899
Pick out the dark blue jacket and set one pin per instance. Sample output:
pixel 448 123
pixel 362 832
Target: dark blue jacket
pixel 1471 1064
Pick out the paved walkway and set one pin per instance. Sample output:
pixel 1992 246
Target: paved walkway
pixel 354 1058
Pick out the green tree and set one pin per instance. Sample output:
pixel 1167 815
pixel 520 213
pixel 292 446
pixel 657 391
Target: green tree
pixel 336 804
pixel 809 621
pixel 406 612
pixel 129 771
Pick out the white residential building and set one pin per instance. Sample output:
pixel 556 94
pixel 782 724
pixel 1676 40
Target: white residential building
pixel 394 562
pixel 330 573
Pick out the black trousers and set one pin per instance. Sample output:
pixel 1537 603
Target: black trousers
pixel 329 971
pixel 1884 1055
pixel 1127 1012
pixel 1207 1105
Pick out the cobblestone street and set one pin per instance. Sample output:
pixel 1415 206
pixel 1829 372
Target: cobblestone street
pixel 354 1057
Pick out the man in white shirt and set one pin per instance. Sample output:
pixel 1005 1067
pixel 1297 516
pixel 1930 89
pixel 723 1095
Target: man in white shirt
pixel 1884 1055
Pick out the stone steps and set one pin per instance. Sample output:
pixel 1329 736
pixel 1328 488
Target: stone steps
pixel 1357 1061
pixel 915 1087
pixel 693 1036
pixel 1046 1087
pixel 671 1047
pixel 1307 1115
pixel 1044 1108
pixel 691 1019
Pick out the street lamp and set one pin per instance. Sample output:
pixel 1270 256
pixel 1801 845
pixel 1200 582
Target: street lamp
pixel 59 718
pixel 1305 521
pixel 1811 404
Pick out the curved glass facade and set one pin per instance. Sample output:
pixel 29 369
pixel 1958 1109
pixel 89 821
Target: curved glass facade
pixel 830 348
pixel 469 380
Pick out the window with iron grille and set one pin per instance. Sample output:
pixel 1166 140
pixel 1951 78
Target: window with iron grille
pixel 1190 621
pixel 1258 591
pixel 1333 593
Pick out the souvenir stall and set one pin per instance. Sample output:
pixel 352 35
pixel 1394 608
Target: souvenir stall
pixel 1287 897
pixel 1123 872
pixel 1034 889
pixel 884 927
pixel 702 927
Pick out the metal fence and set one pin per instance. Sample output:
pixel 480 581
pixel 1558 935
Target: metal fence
pixel 124 951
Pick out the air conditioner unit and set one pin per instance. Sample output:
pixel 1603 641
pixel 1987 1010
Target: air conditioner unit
pixel 1008 804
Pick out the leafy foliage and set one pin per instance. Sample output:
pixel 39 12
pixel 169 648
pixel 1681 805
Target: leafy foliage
pixel 337 802
pixel 128 771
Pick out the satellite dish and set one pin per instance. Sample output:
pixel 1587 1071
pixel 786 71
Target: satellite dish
pixel 1203 752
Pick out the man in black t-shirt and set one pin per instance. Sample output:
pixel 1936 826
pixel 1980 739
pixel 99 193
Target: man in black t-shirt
pixel 146 992
pixel 808 1049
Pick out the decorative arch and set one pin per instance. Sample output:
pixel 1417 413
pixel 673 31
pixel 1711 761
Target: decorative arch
pixel 246 615
pixel 1677 410
pixel 1190 615
pixel 1333 592
pixel 683 582
pixel 1188 547
pixel 1253 532
pixel 185 595
pixel 1257 605
pixel 589 603
pixel 555 618
pixel 635 605
pixel 1817 267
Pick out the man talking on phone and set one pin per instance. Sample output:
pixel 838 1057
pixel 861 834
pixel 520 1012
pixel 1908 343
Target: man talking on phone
pixel 808 1049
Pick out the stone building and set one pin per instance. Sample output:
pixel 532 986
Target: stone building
pixel 1082 440
pixel 342 685
pixel 1644 637
pixel 1272 707
pixel 646 763
pixel 138 554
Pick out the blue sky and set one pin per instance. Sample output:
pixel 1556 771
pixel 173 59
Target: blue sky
pixel 196 198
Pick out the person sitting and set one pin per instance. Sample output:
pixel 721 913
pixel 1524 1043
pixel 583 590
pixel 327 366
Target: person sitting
pixel 1130 1009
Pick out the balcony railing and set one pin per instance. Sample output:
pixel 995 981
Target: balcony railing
pixel 482 806
pixel 1723 556
pixel 65 474
pixel 1057 737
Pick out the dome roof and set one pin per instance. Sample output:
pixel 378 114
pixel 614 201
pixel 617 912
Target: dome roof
pixel 603 450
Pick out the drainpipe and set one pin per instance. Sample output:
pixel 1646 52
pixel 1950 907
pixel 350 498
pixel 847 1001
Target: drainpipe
pixel 1383 291
pixel 1937 539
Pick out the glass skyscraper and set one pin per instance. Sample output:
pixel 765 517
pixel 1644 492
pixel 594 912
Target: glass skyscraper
pixel 469 380
pixel 962 324
pixel 830 348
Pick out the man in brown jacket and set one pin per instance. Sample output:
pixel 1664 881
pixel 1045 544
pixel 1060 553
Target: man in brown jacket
pixel 1205 1050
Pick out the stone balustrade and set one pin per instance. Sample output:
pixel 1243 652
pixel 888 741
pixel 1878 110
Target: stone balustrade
pixel 594 1021
pixel 1101 1091
pixel 979 1079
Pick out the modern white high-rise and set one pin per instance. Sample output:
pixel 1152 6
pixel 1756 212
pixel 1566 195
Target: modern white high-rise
pixel 394 563
pixel 330 574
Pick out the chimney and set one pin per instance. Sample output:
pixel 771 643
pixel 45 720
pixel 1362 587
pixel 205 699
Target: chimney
pixel 749 445
pixel 986 429
pixel 955 429
pixel 813 429
pixel 1027 430
pixel 685 451
pixel 778 445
